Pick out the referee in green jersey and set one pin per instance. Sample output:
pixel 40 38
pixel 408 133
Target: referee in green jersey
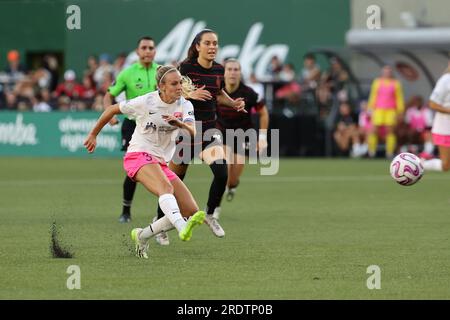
pixel 135 80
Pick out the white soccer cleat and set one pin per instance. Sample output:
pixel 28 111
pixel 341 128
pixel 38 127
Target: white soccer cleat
pixel 162 238
pixel 230 193
pixel 214 226
pixel 141 245
pixel 216 213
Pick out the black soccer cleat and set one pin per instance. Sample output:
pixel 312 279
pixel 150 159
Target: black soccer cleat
pixel 125 218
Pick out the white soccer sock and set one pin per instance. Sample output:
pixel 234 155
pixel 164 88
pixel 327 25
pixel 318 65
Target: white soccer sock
pixel 156 227
pixel 428 147
pixel 169 206
pixel 433 165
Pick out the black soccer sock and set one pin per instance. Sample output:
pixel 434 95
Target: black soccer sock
pixel 160 212
pixel 129 186
pixel 218 185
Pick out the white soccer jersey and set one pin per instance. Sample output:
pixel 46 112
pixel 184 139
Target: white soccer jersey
pixel 152 134
pixel 441 96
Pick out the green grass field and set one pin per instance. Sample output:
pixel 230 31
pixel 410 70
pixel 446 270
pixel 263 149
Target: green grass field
pixel 309 232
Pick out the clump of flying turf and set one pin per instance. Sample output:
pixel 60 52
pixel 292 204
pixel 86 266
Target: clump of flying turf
pixel 55 247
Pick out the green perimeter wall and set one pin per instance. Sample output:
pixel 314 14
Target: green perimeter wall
pixel 113 26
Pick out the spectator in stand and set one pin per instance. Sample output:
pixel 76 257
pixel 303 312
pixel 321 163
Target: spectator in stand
pixel 417 127
pixel 104 68
pixel 106 82
pixel 15 70
pixel 51 65
pixel 65 104
pixel 257 86
pixel 97 105
pixel 275 68
pixel 69 87
pixel 92 65
pixel 310 75
pixel 338 76
pixel 119 64
pixel 88 91
pixel 39 104
pixel 345 128
pixel 360 146
pixel 287 73
pixel 324 97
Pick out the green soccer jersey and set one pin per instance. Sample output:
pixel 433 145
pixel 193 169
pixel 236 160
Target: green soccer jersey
pixel 135 80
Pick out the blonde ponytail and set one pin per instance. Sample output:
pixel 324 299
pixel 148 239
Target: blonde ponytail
pixel 187 86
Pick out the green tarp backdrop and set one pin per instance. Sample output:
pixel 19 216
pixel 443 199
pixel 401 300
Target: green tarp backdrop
pixel 251 30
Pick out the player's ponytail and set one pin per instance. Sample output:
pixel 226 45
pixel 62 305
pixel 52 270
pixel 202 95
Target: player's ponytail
pixel 187 86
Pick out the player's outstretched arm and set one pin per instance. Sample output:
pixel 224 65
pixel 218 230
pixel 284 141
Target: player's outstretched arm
pixel 108 100
pixel 238 104
pixel 91 139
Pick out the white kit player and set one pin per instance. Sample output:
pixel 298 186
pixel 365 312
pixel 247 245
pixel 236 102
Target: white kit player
pixel 440 103
pixel 159 116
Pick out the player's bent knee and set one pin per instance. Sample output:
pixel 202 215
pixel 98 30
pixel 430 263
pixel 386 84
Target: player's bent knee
pixel 166 188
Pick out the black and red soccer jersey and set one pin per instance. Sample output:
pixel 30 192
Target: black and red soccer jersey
pixel 212 78
pixel 229 118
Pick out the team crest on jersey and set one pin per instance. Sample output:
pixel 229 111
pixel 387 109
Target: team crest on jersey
pixel 178 115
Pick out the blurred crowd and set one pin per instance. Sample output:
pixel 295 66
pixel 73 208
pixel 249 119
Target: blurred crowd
pixel 43 89
pixel 351 124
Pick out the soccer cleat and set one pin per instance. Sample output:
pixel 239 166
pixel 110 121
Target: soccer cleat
pixel 124 218
pixel 162 238
pixel 216 213
pixel 186 233
pixel 214 226
pixel 141 246
pixel 230 194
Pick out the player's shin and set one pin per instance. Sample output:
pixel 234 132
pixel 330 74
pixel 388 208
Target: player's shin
pixel 156 227
pixel 169 206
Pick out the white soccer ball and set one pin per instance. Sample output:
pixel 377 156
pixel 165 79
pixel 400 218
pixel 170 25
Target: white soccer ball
pixel 406 169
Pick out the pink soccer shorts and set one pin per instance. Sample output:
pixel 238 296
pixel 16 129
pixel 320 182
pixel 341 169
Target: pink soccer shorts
pixel 441 140
pixel 133 161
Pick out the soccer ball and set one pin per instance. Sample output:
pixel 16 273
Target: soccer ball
pixel 406 169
